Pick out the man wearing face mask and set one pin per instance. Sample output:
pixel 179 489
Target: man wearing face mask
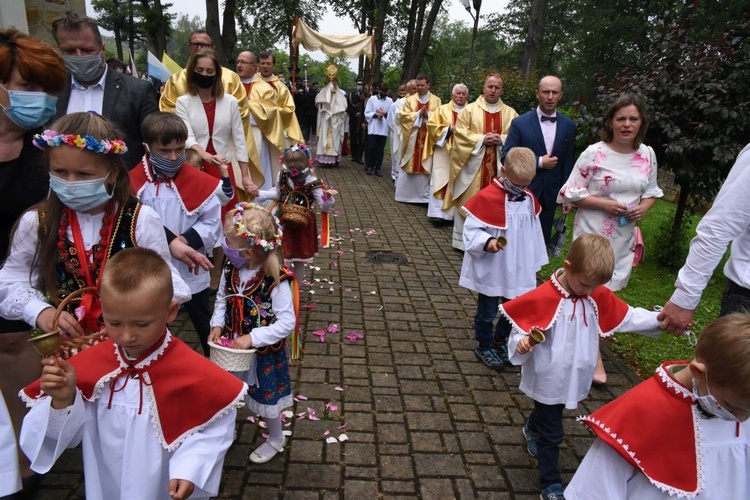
pixel 684 432
pixel 123 100
pixel 376 114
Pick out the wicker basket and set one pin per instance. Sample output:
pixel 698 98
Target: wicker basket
pixel 232 360
pixel 296 216
pixel 69 347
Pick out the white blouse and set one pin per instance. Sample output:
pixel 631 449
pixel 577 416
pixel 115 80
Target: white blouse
pixel 20 300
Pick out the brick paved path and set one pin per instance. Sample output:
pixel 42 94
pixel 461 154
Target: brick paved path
pixel 424 418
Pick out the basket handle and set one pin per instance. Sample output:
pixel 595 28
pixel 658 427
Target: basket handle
pixel 66 301
pixel 307 199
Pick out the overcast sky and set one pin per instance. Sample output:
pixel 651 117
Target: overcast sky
pixel 330 23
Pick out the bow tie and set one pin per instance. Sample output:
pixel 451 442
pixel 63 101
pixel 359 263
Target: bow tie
pixel 546 118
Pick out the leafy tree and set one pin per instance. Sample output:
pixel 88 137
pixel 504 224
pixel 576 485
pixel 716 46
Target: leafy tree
pixel 179 41
pixel 699 95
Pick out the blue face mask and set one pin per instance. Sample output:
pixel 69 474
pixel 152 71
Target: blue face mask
pixel 233 254
pixel 30 110
pixel 81 196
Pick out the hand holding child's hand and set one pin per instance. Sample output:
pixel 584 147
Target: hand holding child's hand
pixel 494 246
pixel 215 334
pixel 524 346
pixel 180 489
pixel 243 342
pixel 59 381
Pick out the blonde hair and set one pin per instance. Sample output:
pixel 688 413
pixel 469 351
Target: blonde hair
pixel 261 223
pixel 521 162
pixel 591 255
pixel 137 270
pixel 724 347
pixel 192 158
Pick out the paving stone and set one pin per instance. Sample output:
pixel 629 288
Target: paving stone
pixel 424 418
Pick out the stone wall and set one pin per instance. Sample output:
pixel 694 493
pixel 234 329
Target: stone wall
pixel 41 13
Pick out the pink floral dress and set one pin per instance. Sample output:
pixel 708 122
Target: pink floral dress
pixel 626 178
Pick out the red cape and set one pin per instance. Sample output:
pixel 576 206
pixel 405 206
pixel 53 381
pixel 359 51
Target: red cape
pixel 540 307
pixel 652 426
pixel 189 391
pixel 193 187
pixel 489 205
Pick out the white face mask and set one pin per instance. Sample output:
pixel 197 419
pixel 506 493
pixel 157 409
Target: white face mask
pixel 712 406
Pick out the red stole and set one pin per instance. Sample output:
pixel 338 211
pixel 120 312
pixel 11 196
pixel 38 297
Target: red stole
pixel 248 87
pixel 540 307
pixel 489 205
pixel 417 167
pixel 652 426
pixel 193 187
pixel 493 122
pixel 187 391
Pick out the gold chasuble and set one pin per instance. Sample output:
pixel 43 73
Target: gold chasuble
pixel 473 165
pixel 285 103
pixel 265 124
pixel 416 153
pixel 445 116
pixel 176 86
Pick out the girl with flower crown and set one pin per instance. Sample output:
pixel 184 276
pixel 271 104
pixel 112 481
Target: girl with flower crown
pixel 256 307
pixel 62 244
pixel 300 245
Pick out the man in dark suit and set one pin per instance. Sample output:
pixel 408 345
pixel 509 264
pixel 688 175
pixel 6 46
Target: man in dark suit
pixel 550 135
pixel 91 86
pixel 355 111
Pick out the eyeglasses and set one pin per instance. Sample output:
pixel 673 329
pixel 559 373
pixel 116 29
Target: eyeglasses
pixel 198 45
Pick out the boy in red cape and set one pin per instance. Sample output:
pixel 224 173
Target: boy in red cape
pixel 573 309
pixel 155 418
pixel 683 432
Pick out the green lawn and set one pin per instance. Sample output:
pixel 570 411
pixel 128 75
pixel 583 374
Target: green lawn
pixel 652 284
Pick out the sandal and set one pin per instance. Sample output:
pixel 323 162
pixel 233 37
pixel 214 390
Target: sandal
pixel 266 451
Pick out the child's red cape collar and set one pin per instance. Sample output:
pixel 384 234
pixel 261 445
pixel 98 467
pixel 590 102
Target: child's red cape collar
pixel 488 206
pixel 187 392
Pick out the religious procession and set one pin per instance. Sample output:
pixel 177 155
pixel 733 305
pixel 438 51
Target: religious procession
pixel 232 280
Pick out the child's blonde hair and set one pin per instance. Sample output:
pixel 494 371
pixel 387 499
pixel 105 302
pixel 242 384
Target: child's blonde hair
pixel 591 255
pixel 192 158
pixel 137 270
pixel 724 347
pixel 292 155
pixel 521 162
pixel 259 222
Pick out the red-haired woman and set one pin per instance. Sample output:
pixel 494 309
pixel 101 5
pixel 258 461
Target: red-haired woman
pixel 31 74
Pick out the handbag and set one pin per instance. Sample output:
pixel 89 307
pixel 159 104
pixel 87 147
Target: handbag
pixel 639 249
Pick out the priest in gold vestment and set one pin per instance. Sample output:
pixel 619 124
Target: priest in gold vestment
pixel 441 126
pixel 413 181
pixel 481 128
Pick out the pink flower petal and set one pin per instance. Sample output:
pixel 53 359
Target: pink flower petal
pixel 251 419
pixel 332 328
pixel 341 427
pixel 332 407
pixel 265 436
pixel 308 306
pixel 335 264
pixel 288 424
pixel 303 398
pixel 337 388
pixel 326 433
pixel 311 411
pixel 313 417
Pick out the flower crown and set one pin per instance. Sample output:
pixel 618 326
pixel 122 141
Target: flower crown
pixel 254 239
pixel 298 147
pixel 51 139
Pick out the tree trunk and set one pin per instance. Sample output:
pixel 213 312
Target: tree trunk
pixel 212 25
pixel 534 37
pixel 131 29
pixel 379 29
pixel 229 33
pixel 408 48
pixel 679 214
pixel 424 41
